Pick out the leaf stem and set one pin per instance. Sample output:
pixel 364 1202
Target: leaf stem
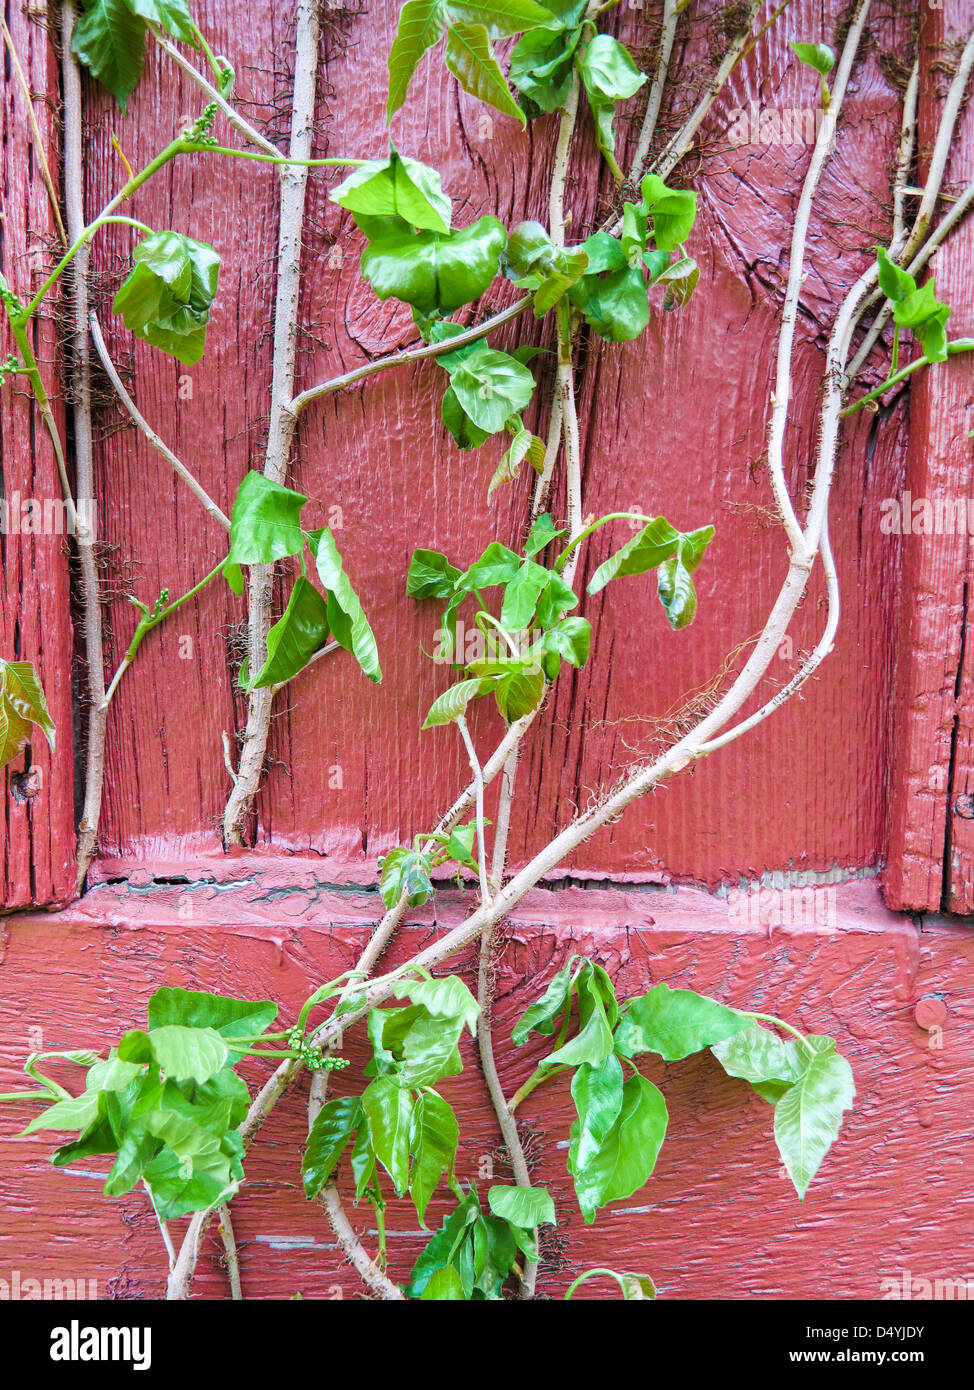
pixel 582 535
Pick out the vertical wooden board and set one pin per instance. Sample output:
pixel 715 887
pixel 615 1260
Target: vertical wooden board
pixel 348 774
pixel 37 833
pixel 931 842
pixel 718 1218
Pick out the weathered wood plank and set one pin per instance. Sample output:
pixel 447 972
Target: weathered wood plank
pixel 855 973
pixel 36 834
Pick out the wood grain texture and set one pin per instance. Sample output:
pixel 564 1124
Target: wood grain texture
pixel 36 834
pixel 893 1194
pixel 674 423
pixel 931 836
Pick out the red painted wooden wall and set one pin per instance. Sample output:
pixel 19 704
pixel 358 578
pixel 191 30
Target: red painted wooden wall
pixel 863 771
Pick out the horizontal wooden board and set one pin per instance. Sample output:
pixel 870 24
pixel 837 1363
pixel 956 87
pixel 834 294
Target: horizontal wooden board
pixel 718 1219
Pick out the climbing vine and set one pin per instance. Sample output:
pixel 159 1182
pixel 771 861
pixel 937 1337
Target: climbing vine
pixel 166 1101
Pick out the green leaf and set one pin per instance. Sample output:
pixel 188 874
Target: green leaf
pixel 570 639
pixel 166 297
pixel 922 312
pixel 430 575
pixel 497 565
pixel 346 620
pixel 520 690
pixel 171 15
pixel 674 578
pixel 540 1017
pixel 447 997
pixel 444 1247
pixel 674 1023
pixel 557 599
pixel 465 433
pixel 232 1018
pixel 404 871
pixel 492 386
pixel 542 533
pixel 362 1161
pixel 656 542
pixel 593 1042
pixel 895 283
pixel 614 304
pixel 526 1207
pixel 434 1146
pixel 436 274
pixel 680 280
pixel 453 702
pixel 413 1048
pixel 265 524
pixel 609 75
pixel 541 68
pixel 815 55
pixel 673 211
pixel 388 1109
pixel 420 27
pixel 807 1118
pixel 328 1138
pixel 295 637
pixel 109 40
pixel 627 1155
pixel 22 703
pixel 396 187
pixel 597 1093
pixel 445 1285
pixel 74 1113
pixel 471 59
pixel 636 1287
pixel 755 1054
pixel 500 18
pixel 188 1054
pixel 522 594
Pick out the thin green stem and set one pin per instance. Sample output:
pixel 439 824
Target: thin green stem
pixel 69 255
pixel 590 1273
pixel 582 535
pixel 489 617
pixel 533 1082
pixel 778 1022
pixel 195 148
pixel 894 358
pixel 953 349
pixel 150 620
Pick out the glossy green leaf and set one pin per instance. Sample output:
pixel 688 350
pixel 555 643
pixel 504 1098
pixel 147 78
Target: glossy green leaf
pixel 430 575
pixel 522 1206
pixel 109 40
pixel 674 578
pixel 542 533
pixel 593 1042
pixel 434 1146
pixel 166 297
pixel 388 1109
pixel 413 1048
pixel 627 1156
pixel 895 283
pixel 453 702
pixel 541 68
pixel 615 305
pixel 680 280
pixel 497 565
pixel 397 187
pixel 295 637
pixel 808 1116
pixel 328 1138
pixel 471 59
pixel 815 55
pixel 447 997
pixel 923 313
pixel 673 211
pixel 570 639
pixel 675 1023
pixel 75 1113
pixel 491 386
pixel 609 75
pixel 444 1285
pixel 420 27
pixel 265 524
pixel 346 619
pixel 404 871
pixel 188 1054
pixel 597 1092
pixel 656 542
pixel 755 1054
pixel 436 274
pixel 541 1016
pixel 233 1018
pixel 521 595
pixel 500 18
pixel 444 1247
